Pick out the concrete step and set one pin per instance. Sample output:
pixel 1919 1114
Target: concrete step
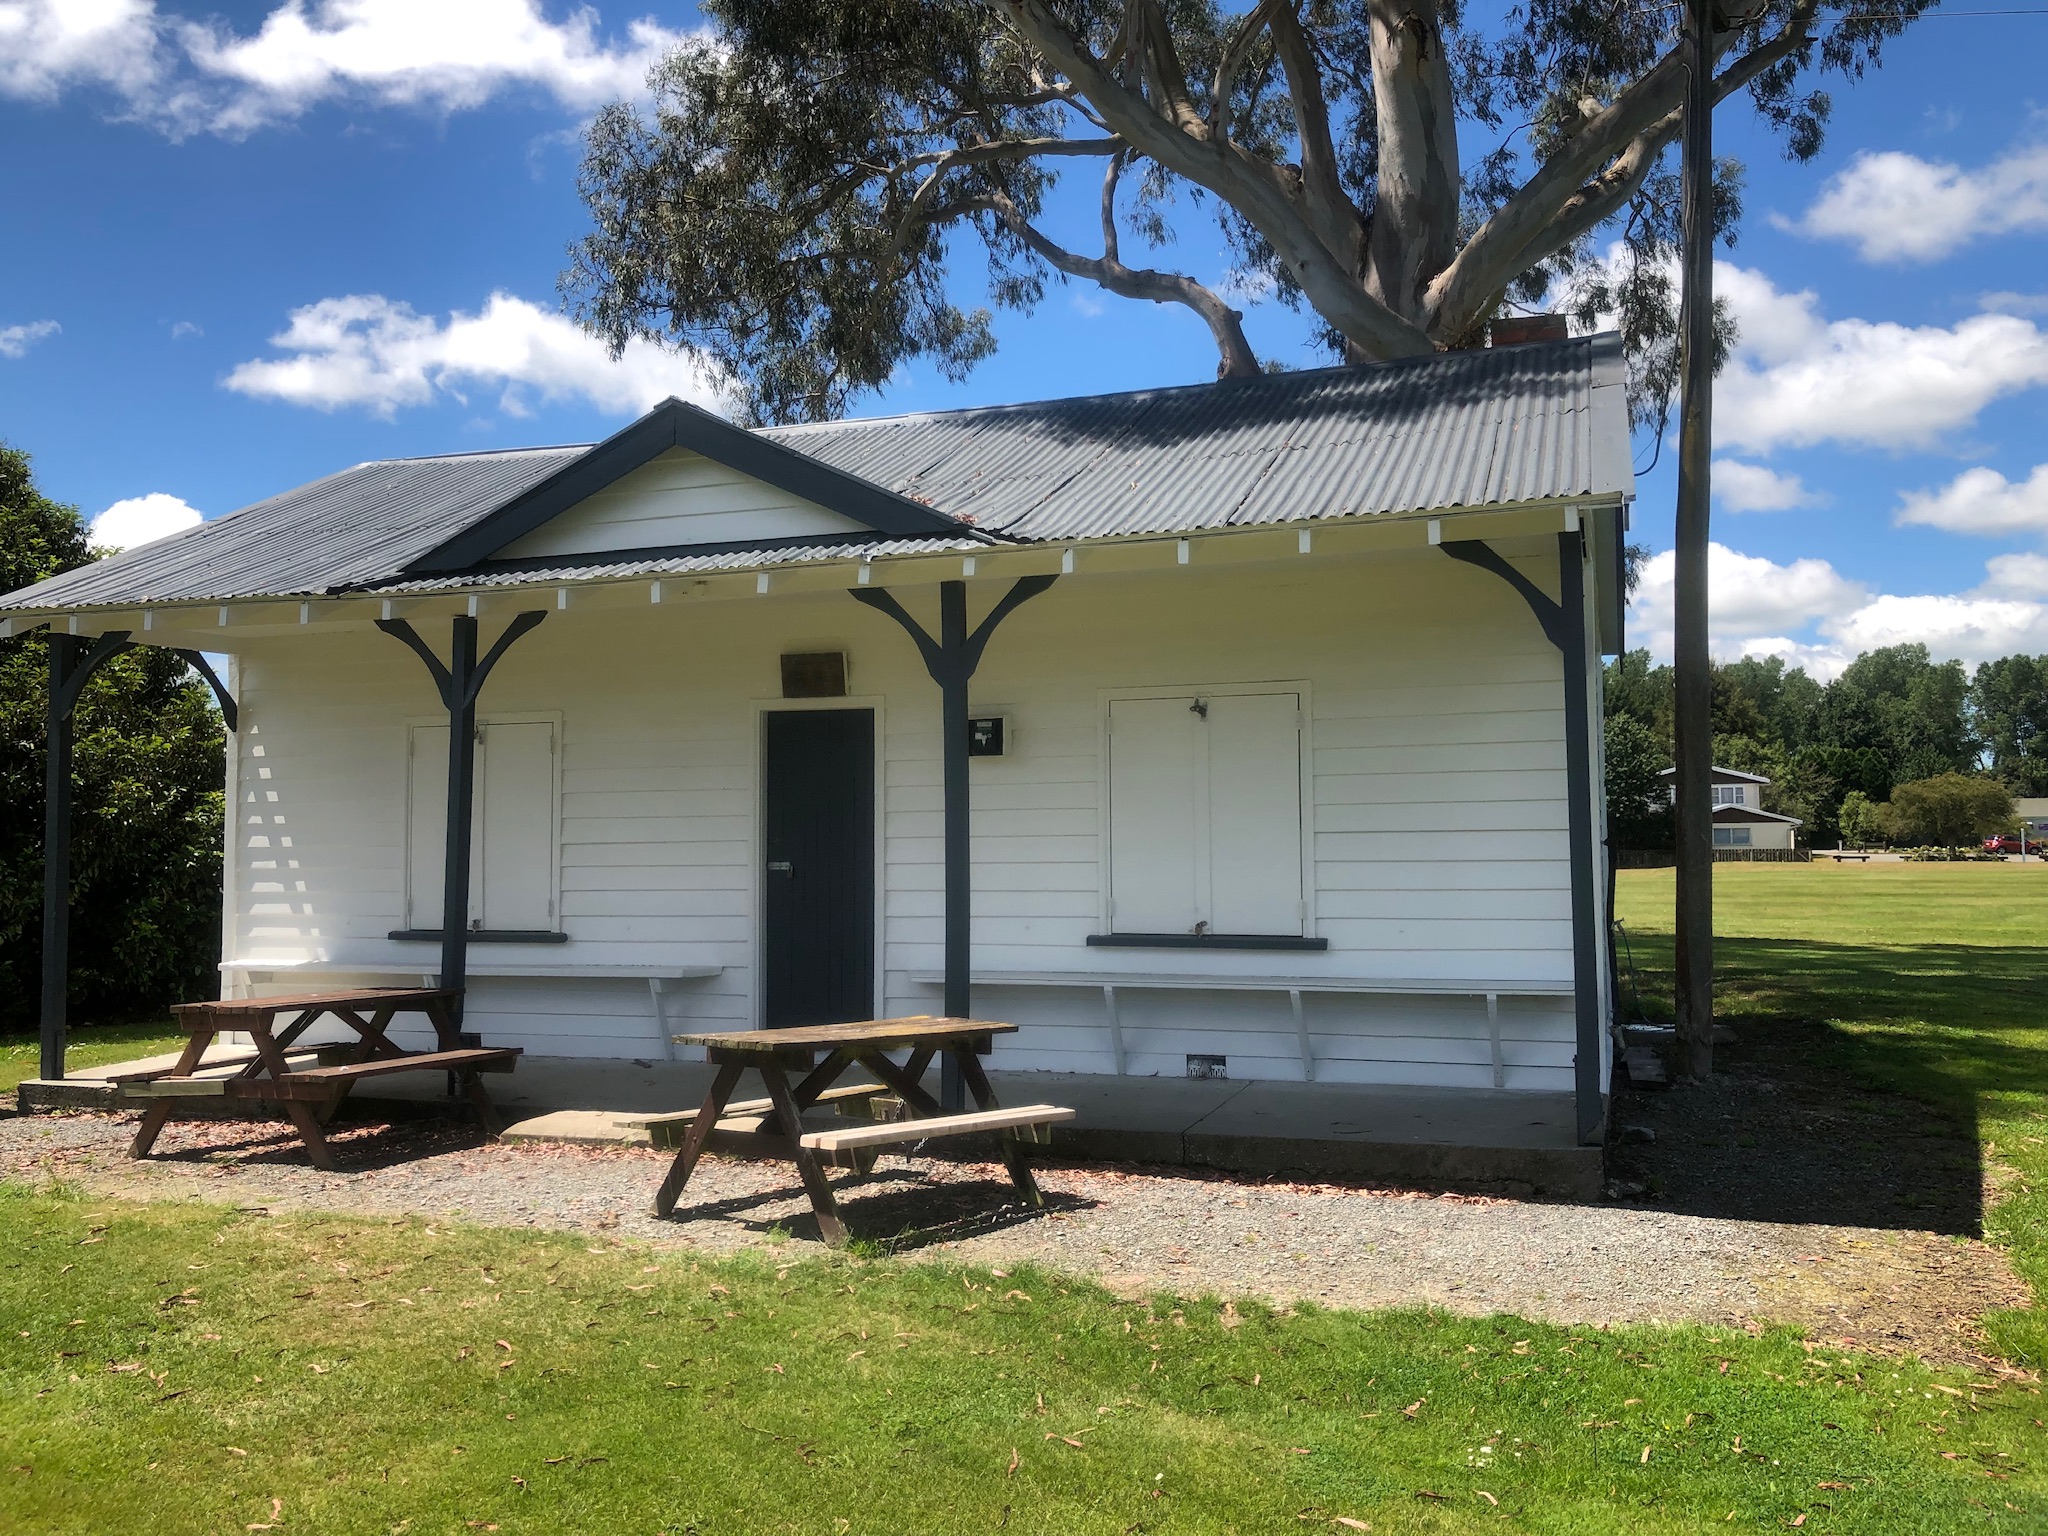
pixel 582 1128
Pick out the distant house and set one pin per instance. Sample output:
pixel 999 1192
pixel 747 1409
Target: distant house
pixel 1740 821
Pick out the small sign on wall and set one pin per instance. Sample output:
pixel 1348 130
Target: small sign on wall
pixel 814 675
pixel 988 735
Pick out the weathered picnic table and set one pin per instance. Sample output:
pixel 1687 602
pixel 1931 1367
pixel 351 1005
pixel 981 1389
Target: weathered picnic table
pixel 274 1071
pixel 773 1127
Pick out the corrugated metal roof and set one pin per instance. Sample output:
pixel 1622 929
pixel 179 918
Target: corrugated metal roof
pixel 530 573
pixel 1481 428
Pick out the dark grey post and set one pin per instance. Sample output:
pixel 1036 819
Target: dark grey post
pixel 1578 759
pixel 57 859
pixel 951 660
pixel 461 810
pixel 1564 625
pixel 1692 711
pixel 69 673
pixel 459 683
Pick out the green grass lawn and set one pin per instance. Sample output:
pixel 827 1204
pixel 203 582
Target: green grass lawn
pixel 1928 979
pixel 94 1045
pixel 175 1368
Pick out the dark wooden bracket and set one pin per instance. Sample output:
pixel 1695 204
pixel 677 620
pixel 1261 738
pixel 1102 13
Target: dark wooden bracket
pixel 459 681
pixel 952 659
pixel 1563 620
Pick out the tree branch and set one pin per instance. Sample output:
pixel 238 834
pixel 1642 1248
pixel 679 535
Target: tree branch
pixel 1235 356
pixel 1600 167
pixel 1235 47
pixel 1258 190
pixel 1334 216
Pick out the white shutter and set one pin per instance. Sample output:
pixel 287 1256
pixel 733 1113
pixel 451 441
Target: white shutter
pixel 426 818
pixel 516 825
pixel 1157 814
pixel 1255 813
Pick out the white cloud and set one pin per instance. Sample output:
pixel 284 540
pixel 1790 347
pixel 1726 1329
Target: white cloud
pixel 180 329
pixel 47 45
pixel 1747 596
pixel 1740 487
pixel 366 350
pixel 1982 501
pixel 1898 207
pixel 139 519
pixel 185 76
pixel 1798 379
pixel 15 340
pixel 1758 607
pixel 2023 575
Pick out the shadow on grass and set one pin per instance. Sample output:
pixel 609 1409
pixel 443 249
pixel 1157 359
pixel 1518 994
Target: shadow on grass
pixel 1855 1090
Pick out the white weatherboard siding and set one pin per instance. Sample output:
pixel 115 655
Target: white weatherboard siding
pixel 1431 733
pixel 679 498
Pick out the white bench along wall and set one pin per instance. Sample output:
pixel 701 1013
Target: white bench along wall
pixel 1436 799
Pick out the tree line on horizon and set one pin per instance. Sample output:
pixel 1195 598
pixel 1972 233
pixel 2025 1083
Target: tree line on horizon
pixel 1837 753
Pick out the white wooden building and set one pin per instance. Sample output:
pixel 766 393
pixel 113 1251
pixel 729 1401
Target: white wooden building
pixel 1287 768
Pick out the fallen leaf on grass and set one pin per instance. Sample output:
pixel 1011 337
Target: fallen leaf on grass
pixel 1832 1485
pixel 1065 1440
pixel 1412 1409
pixel 1016 1461
pixel 1352 1525
pixel 1488 1497
pixel 1299 1450
pixel 1424 1493
pixel 1646 1456
pixel 506 1365
pixel 778 1370
pixel 502 1345
pixel 1799 1519
pixel 236 1450
pixel 519 1483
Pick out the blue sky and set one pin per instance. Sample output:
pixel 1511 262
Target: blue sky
pixel 252 244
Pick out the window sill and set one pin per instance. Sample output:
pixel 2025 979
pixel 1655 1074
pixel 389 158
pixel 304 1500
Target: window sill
pixel 1204 941
pixel 481 936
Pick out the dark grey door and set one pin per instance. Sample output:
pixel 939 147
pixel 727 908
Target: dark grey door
pixel 819 945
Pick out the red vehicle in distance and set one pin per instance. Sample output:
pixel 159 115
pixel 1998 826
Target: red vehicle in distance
pixel 2008 842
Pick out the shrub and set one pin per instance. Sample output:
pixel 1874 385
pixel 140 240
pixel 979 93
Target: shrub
pixel 1949 809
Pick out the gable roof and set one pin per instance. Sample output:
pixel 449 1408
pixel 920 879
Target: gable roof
pixel 673 424
pixel 1719 775
pixel 1542 422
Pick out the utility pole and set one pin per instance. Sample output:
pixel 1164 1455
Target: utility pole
pixel 1692 719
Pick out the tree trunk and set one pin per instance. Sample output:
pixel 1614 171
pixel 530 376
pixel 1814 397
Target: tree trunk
pixel 1415 217
pixel 1693 726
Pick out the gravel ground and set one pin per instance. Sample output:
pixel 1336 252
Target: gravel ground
pixel 1135 1229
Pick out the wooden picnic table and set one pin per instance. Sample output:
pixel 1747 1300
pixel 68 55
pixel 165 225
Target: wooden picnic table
pixel 273 1071
pixel 774 1126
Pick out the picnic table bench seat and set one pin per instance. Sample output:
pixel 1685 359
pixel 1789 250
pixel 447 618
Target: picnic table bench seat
pixel 310 1085
pixel 777 1054
pixel 1030 1122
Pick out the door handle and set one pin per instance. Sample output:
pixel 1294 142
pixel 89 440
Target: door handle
pixel 779 867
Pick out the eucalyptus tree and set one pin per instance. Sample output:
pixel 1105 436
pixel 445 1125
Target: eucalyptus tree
pixel 808 175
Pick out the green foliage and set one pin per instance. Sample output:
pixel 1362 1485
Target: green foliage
pixel 811 180
pixel 1948 810
pixel 146 817
pixel 1905 707
pixel 2010 696
pixel 1638 796
pixel 1862 821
